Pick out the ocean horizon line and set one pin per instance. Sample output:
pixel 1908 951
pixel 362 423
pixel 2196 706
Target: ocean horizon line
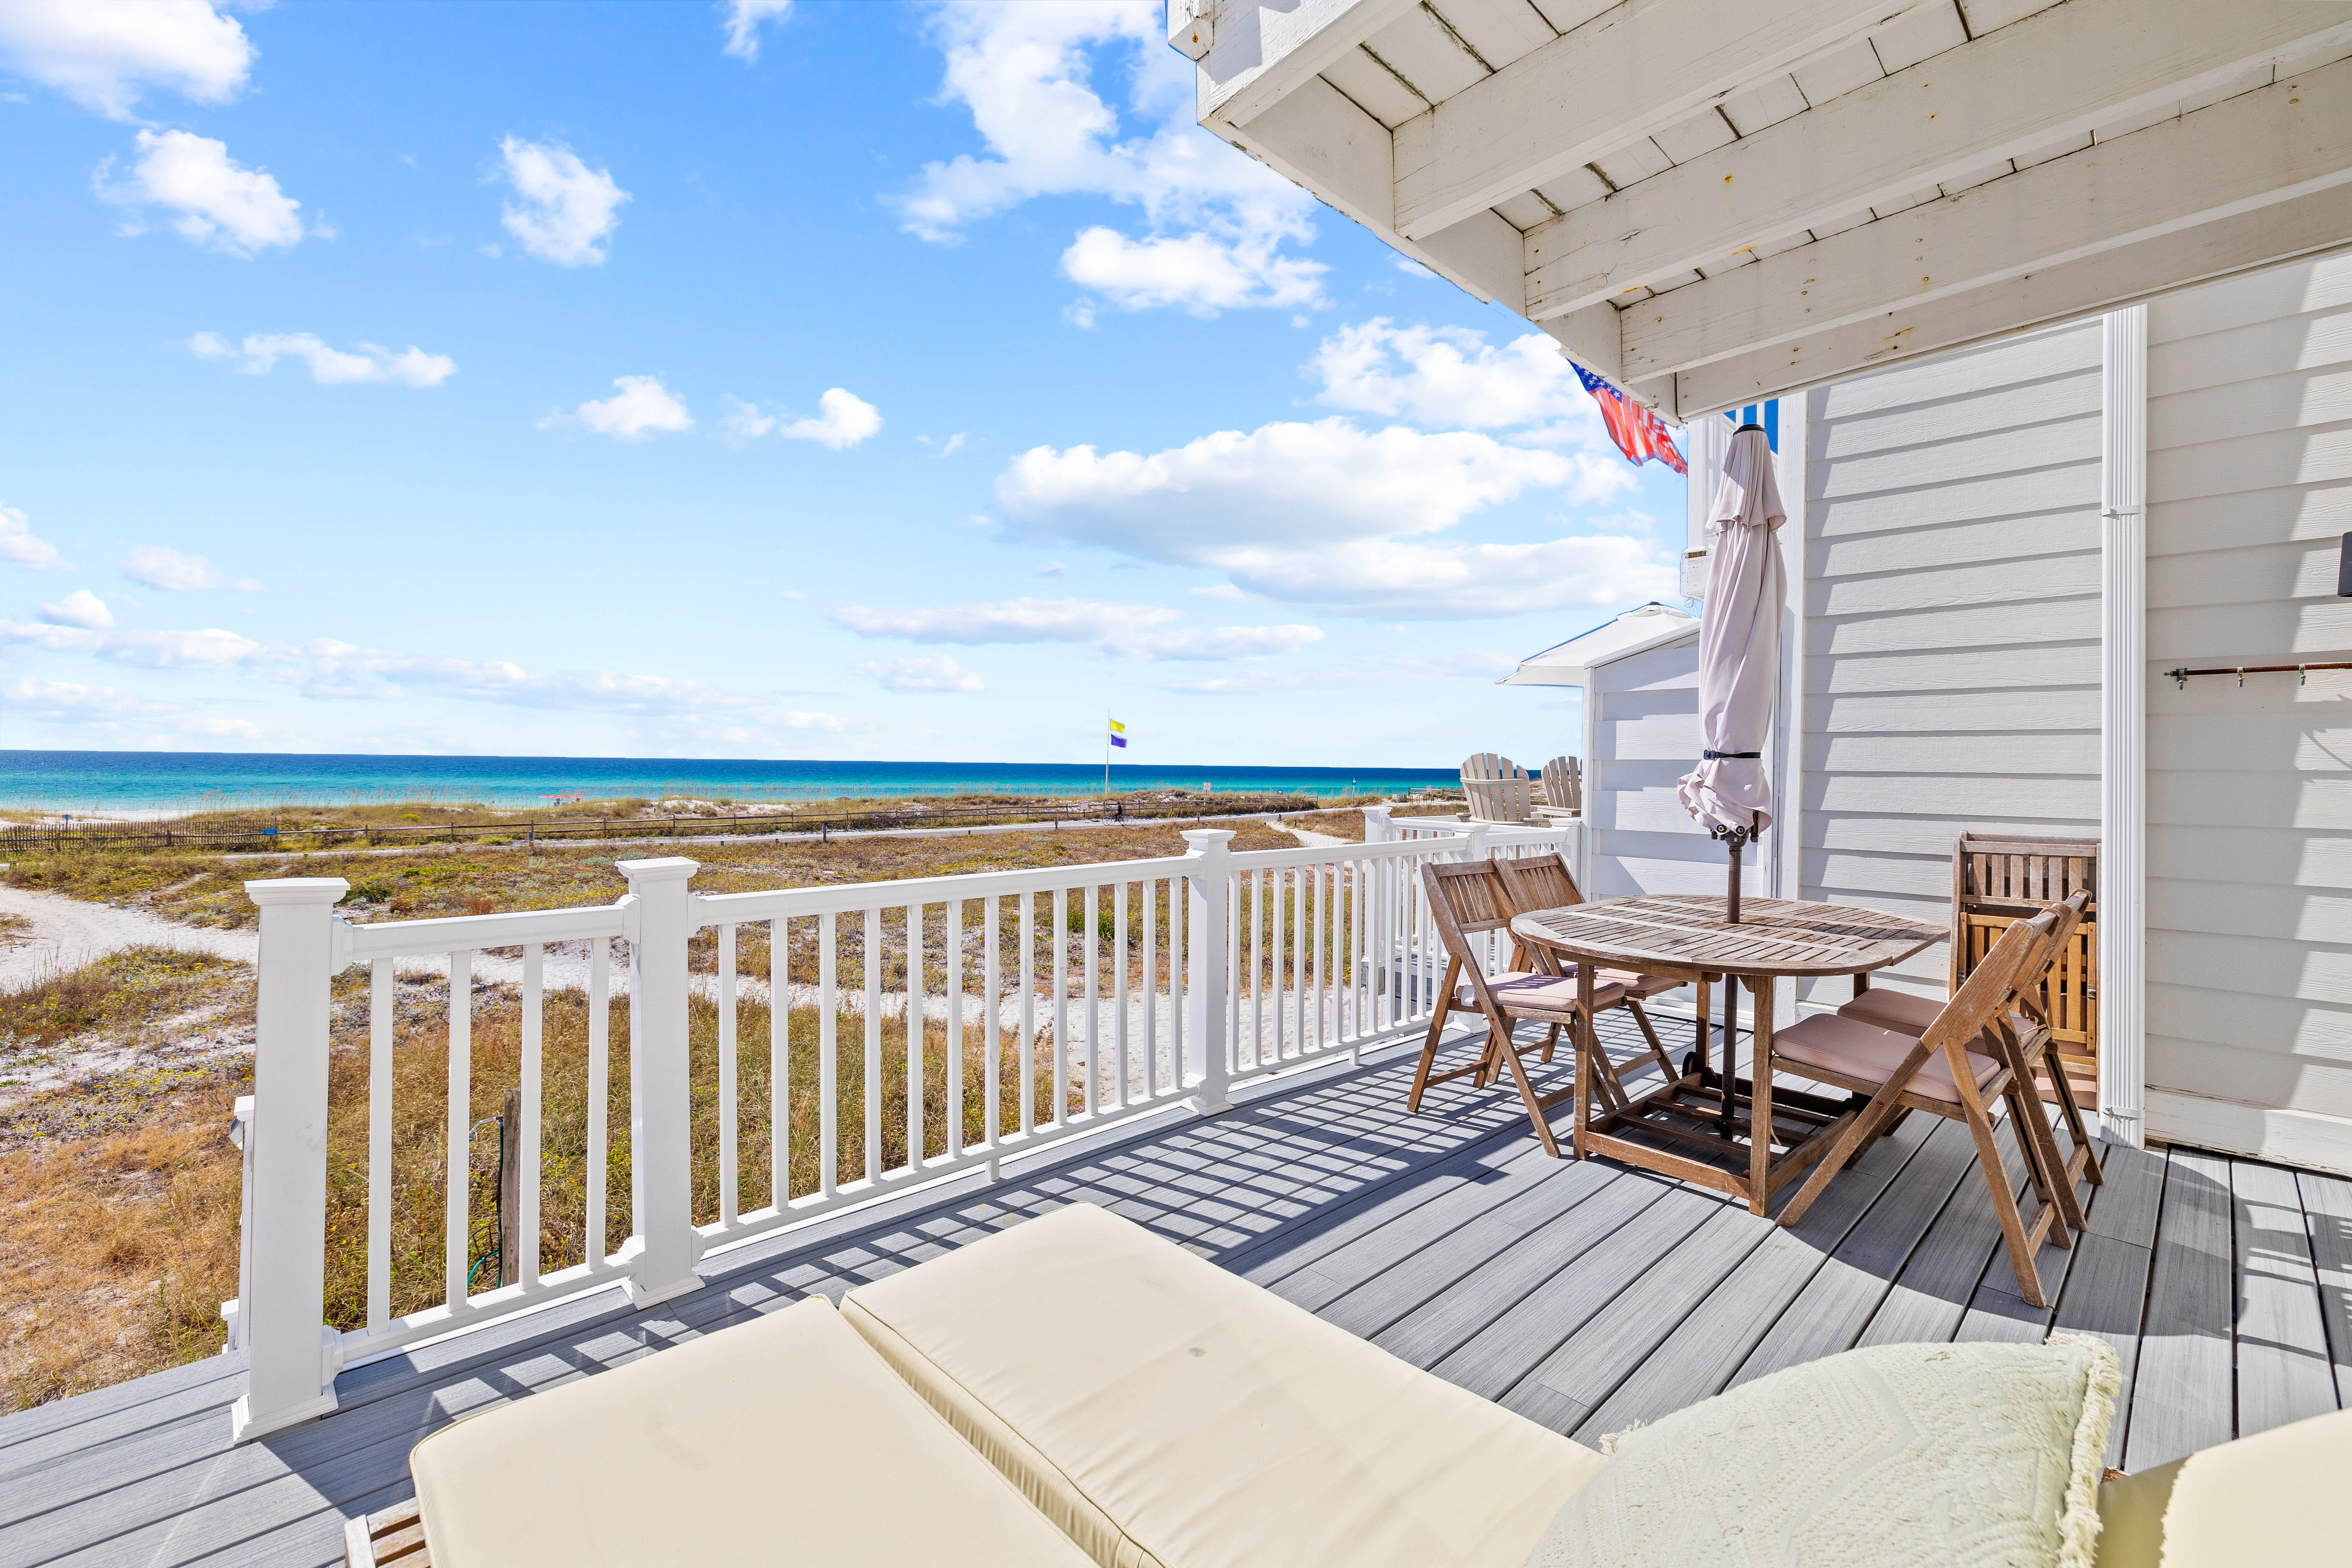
pixel 99 781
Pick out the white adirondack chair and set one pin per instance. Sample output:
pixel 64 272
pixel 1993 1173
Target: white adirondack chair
pixel 1498 789
pixel 1564 789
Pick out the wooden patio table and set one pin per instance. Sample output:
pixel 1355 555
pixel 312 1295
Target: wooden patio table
pixel 1684 935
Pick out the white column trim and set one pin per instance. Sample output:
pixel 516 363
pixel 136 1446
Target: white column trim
pixel 2123 745
pixel 1787 835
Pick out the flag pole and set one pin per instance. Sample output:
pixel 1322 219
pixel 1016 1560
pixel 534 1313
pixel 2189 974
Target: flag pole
pixel 1106 753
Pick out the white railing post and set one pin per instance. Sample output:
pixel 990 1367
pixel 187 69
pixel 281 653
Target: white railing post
pixel 662 1253
pixel 294 1355
pixel 1209 880
pixel 1377 827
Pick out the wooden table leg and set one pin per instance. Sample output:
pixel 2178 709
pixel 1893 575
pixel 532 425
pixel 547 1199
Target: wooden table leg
pixel 1760 1071
pixel 1587 1047
pixel 1728 1123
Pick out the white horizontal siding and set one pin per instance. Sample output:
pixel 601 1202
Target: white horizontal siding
pixel 1645 736
pixel 1951 646
pixel 2250 787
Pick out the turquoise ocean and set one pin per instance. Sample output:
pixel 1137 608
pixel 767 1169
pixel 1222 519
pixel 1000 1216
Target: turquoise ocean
pixel 124 781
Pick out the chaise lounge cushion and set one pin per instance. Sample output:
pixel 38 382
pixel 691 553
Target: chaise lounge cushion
pixel 2277 1497
pixel 1852 1050
pixel 1924 1455
pixel 1169 1414
pixel 782 1440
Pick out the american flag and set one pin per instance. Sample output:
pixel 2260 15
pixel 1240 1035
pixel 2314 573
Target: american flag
pixel 1636 430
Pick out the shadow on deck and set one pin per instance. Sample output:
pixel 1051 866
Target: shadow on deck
pixel 1585 1296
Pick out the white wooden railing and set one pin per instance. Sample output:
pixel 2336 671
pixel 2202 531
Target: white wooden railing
pixel 1077 997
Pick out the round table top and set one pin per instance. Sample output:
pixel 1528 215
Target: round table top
pixel 1687 932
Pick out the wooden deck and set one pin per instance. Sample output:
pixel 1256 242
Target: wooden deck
pixel 1584 1296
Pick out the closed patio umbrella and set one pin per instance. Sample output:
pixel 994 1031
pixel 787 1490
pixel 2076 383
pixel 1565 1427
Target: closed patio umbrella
pixel 1739 653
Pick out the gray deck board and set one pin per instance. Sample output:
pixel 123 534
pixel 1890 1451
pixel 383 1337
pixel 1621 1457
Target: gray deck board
pixel 2182 1398
pixel 1583 1295
pixel 2327 1216
pixel 2283 1373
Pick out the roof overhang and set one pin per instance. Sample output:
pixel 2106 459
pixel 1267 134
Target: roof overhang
pixel 1571 663
pixel 1713 203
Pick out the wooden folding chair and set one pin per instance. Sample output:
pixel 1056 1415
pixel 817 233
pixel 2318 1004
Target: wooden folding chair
pixel 1498 789
pixel 1543 882
pixel 2000 877
pixel 1937 1073
pixel 1468 900
pixel 2021 1030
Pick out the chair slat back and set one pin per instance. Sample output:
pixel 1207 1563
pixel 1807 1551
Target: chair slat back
pixel 1498 789
pixel 1999 878
pixel 1982 994
pixel 1538 882
pixel 1466 901
pixel 1563 783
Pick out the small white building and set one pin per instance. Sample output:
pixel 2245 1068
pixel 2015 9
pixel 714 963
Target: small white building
pixel 2056 302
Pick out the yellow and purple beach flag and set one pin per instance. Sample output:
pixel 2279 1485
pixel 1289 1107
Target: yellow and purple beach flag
pixel 1118 733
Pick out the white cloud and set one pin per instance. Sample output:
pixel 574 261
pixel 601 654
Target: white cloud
pixel 68 699
pixel 219 201
pixel 106 54
pixel 1215 222
pixel 567 208
pixel 642 407
pixel 1202 272
pixel 258 352
pixel 1322 483
pixel 161 566
pixel 844 420
pixel 941 673
pixel 743 19
pixel 21 546
pixel 1215 643
pixel 1112 631
pixel 1453 376
pixel 330 671
pixel 80 608
pixel 1402 580
pixel 1027 620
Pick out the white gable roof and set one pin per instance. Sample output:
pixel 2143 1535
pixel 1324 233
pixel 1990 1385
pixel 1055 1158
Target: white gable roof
pixel 1636 631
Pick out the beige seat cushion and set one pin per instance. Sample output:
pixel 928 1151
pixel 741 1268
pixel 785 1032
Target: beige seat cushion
pixel 2277 1497
pixel 1859 1050
pixel 1907 1015
pixel 1551 992
pixel 1169 1414
pixel 1624 980
pixel 785 1440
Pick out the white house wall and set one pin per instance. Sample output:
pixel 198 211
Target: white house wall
pixel 1645 736
pixel 1951 621
pixel 2250 789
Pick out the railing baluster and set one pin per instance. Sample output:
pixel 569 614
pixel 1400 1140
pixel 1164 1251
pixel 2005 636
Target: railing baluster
pixel 915 1032
pixel 1177 913
pixel 1118 986
pixel 731 1124
pixel 600 1035
pixel 1090 944
pixel 828 1003
pixel 526 1227
pixel 780 1064
pixel 991 1049
pixel 1061 1006
pixel 383 986
pixel 1257 968
pixel 872 1077
pixel 1023 973
pixel 458 1210
pixel 1149 893
pixel 1234 984
pixel 1323 1030
pixel 955 1027
pixel 1298 961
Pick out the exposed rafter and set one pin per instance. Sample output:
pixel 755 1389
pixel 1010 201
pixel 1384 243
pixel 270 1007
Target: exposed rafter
pixel 2249 152
pixel 1636 68
pixel 2086 63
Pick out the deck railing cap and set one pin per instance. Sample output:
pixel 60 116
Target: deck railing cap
pixel 665 868
pixel 297 889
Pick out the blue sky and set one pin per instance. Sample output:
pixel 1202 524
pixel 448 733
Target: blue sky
pixel 807 380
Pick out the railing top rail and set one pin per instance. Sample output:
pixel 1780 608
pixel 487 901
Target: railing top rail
pixel 1325 854
pixel 454 933
pixel 777 904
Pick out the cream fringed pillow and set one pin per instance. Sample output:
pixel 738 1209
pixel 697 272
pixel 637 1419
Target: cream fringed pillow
pixel 1954 1456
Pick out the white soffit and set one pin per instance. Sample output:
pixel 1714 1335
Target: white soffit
pixel 1712 204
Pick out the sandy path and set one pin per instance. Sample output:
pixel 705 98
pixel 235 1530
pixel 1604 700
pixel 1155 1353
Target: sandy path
pixel 67 932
